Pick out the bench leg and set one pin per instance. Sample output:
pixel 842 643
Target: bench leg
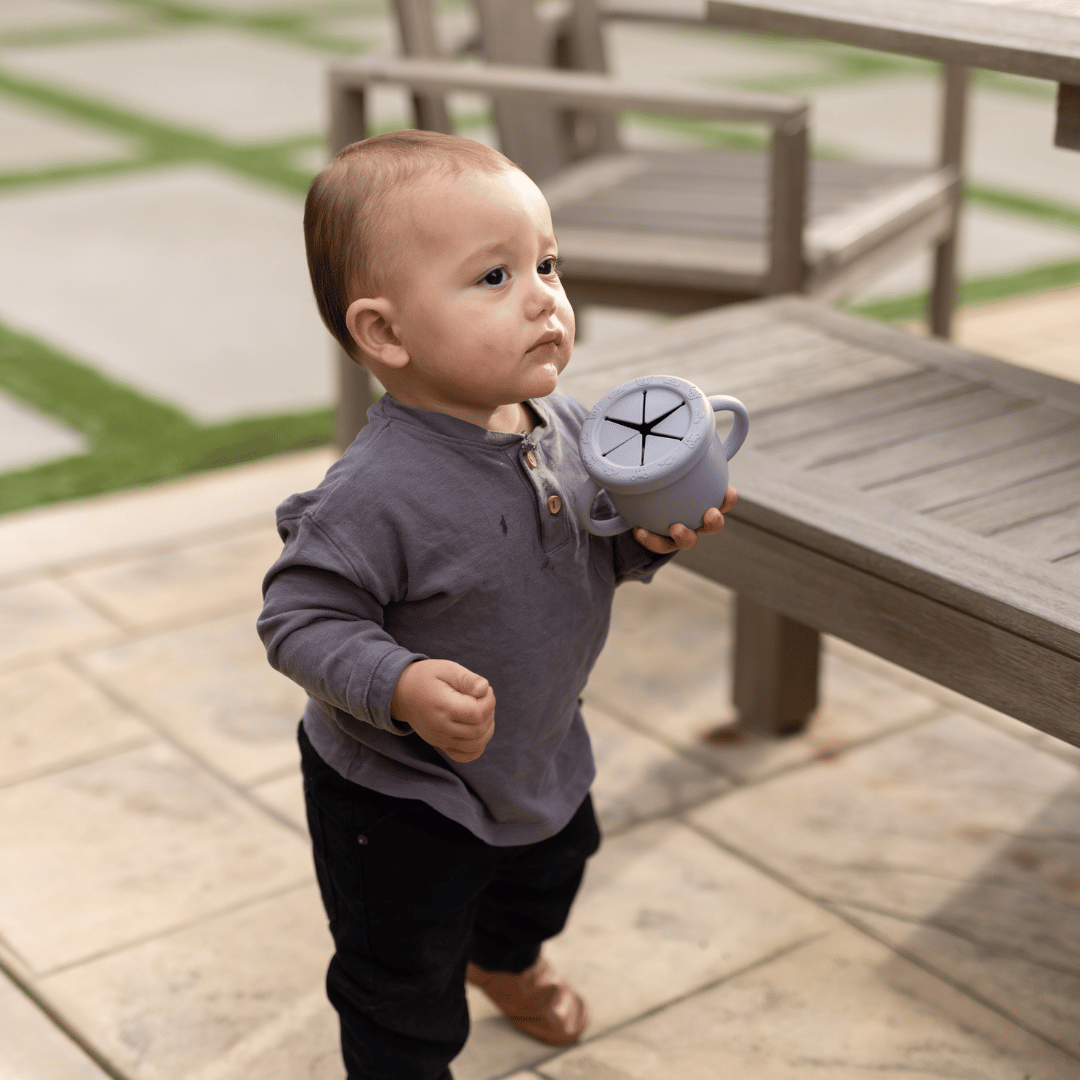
pixel 776 669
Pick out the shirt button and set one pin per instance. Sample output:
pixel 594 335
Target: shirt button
pixel 554 504
pixel 530 459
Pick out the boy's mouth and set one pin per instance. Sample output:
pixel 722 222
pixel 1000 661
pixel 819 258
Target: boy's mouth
pixel 552 337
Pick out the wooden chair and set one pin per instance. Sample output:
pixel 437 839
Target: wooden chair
pixel 681 231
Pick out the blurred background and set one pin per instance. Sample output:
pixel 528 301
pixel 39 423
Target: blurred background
pixel 155 316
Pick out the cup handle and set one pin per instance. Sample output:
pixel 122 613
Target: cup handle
pixel 584 498
pixel 723 403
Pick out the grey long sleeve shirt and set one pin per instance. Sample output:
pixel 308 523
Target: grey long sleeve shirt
pixel 434 538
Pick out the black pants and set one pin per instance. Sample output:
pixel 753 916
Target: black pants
pixel 411 896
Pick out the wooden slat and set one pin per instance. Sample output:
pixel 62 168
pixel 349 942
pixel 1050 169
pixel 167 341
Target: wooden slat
pixel 760 395
pixel 1004 670
pixel 878 399
pixel 627 256
pixel 1025 42
pixel 962 442
pixel 864 436
pixel 946 357
pixel 950 565
pixel 836 240
pixel 992 476
pixel 993 512
pixel 580 90
pixel 1052 537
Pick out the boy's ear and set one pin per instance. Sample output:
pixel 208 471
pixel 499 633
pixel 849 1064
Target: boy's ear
pixel 370 322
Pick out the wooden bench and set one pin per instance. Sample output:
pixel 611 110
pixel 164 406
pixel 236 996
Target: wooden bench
pixel 917 500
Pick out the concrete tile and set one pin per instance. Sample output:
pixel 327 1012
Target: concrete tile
pixel 41 617
pixel 665 663
pixel 183 581
pixel 43 14
pixel 840 1006
pixel 1040 331
pixel 284 795
pixel 639 778
pixel 51 718
pixel 666 667
pixel 32 1047
pixel 74 532
pixel 209 685
pixel 953 824
pixel 231 997
pixel 187 283
pixel 150 840
pixel 238 86
pixel 990 244
pixel 662 913
pixel 29 437
pixel 33 139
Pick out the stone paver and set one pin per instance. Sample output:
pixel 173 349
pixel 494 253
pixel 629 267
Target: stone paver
pixel 33 1048
pixel 152 840
pixel 727 925
pixel 1041 331
pixel 262 1013
pixel 51 717
pixel 839 1007
pixel 28 437
pixel 209 686
pixel 216 79
pixel 187 283
pixel 39 618
pixel 33 139
pixel 39 14
pixel 952 836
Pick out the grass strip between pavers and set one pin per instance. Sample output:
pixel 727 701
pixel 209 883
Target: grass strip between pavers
pixel 134 439
pixel 977 291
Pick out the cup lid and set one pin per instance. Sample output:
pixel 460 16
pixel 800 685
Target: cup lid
pixel 645 433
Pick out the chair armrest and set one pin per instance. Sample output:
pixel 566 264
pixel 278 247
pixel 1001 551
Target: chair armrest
pixel 676 12
pixel 570 89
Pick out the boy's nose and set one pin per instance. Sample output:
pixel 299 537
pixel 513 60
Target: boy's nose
pixel 543 299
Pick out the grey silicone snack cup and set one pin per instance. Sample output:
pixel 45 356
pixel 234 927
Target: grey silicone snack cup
pixel 651 445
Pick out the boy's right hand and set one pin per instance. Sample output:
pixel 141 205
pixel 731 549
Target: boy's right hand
pixel 447 705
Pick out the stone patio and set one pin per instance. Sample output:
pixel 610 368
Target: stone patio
pixel 897 890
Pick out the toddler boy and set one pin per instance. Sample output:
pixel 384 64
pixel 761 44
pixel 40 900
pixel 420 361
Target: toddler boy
pixel 435 570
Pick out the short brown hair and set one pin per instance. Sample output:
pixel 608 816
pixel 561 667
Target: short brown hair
pixel 349 202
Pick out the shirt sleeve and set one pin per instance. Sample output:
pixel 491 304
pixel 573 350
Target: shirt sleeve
pixel 634 562
pixel 323 628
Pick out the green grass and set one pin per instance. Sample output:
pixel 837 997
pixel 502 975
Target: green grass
pixel 982 290
pixel 134 439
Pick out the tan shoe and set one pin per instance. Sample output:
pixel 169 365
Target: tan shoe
pixel 537 1001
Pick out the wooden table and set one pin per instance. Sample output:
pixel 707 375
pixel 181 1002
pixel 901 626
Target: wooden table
pixel 917 500
pixel 1040 38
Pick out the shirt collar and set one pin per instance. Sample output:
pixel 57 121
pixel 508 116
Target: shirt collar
pixel 391 409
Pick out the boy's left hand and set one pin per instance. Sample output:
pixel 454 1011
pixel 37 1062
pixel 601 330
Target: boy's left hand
pixel 682 538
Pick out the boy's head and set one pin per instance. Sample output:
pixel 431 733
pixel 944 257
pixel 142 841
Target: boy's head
pixel 433 262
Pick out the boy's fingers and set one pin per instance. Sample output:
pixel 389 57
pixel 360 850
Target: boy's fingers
pixel 682 537
pixel 464 681
pixel 731 497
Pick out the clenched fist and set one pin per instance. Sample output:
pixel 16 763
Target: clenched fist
pixel 447 705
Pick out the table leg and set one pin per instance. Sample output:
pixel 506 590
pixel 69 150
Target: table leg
pixel 776 669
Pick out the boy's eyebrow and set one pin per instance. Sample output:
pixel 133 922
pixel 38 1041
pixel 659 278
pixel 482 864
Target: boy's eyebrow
pixel 500 245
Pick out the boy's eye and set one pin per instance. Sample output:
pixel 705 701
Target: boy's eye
pixel 495 277
pixel 549 266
